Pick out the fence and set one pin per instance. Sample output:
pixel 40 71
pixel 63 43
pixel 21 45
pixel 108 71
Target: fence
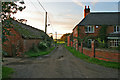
pixel 99 51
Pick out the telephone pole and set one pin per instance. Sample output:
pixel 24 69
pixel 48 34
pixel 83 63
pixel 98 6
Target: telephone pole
pixel 56 37
pixel 45 22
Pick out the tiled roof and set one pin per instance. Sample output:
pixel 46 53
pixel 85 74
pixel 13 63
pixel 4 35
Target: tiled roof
pixel 28 32
pixel 101 18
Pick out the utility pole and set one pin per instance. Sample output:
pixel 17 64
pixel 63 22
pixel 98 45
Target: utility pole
pixel 45 22
pixel 56 38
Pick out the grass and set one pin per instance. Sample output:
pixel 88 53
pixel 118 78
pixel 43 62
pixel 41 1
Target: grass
pixel 6 72
pixel 82 56
pixel 40 53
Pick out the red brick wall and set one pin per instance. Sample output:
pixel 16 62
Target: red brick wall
pixel 68 40
pixel 82 33
pixel 14 39
pixel 71 44
pixel 80 49
pixel 101 54
pixel 110 29
pixel 21 45
pixel 107 55
pixel 87 52
pixel 28 43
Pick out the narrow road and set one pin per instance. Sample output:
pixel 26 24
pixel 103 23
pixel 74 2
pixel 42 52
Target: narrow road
pixel 59 64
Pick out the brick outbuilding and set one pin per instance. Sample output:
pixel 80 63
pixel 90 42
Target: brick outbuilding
pixel 22 37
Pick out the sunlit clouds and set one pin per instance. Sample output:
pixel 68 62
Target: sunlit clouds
pixel 78 3
pixel 63 16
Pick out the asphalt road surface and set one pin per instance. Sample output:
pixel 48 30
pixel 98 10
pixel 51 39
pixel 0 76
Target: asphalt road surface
pixel 60 63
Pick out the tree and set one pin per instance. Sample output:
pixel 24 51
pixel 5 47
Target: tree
pixel 103 33
pixel 64 37
pixel 9 8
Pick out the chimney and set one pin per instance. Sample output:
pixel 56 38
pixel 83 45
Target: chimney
pixel 86 11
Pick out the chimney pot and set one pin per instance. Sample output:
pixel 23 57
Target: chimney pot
pixel 86 11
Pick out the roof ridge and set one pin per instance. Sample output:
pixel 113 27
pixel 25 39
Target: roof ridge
pixel 28 26
pixel 102 12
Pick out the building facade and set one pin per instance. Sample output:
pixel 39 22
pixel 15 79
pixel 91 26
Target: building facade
pixel 94 23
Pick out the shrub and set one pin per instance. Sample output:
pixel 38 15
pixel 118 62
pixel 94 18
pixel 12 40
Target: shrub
pixel 35 48
pixel 101 43
pixel 4 53
pixel 42 46
pixel 48 44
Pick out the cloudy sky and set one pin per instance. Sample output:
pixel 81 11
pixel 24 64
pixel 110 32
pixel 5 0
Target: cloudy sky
pixel 63 15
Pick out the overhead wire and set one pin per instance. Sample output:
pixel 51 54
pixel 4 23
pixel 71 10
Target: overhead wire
pixel 35 7
pixel 51 24
pixel 41 5
pixel 48 15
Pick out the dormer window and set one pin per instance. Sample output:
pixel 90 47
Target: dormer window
pixel 116 29
pixel 89 29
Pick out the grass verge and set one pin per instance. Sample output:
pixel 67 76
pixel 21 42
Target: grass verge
pixel 6 72
pixel 82 56
pixel 40 53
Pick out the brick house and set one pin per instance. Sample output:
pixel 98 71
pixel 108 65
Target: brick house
pixel 22 37
pixel 71 39
pixel 93 22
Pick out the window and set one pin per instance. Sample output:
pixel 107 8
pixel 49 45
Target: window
pixel 96 26
pixel 114 43
pixel 116 28
pixel 89 29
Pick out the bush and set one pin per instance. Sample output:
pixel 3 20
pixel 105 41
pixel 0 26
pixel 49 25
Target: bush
pixel 49 44
pixel 35 48
pixel 4 53
pixel 42 46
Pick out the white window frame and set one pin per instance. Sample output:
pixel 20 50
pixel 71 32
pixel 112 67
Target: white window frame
pixel 116 30
pixel 113 43
pixel 90 29
pixel 90 40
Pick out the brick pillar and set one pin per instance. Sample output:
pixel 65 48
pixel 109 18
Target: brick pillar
pixel 68 41
pixel 93 49
pixel 81 47
pixel 77 46
pixel 71 44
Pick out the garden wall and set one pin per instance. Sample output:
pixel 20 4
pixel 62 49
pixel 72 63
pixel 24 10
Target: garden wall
pixel 101 54
pixel 87 52
pixel 107 55
pixel 13 44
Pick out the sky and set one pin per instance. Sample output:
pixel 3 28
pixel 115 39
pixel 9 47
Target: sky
pixel 63 16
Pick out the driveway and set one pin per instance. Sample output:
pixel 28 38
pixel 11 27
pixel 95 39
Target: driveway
pixel 60 63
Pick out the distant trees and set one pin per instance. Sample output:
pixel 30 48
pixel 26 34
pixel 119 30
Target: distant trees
pixel 64 37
